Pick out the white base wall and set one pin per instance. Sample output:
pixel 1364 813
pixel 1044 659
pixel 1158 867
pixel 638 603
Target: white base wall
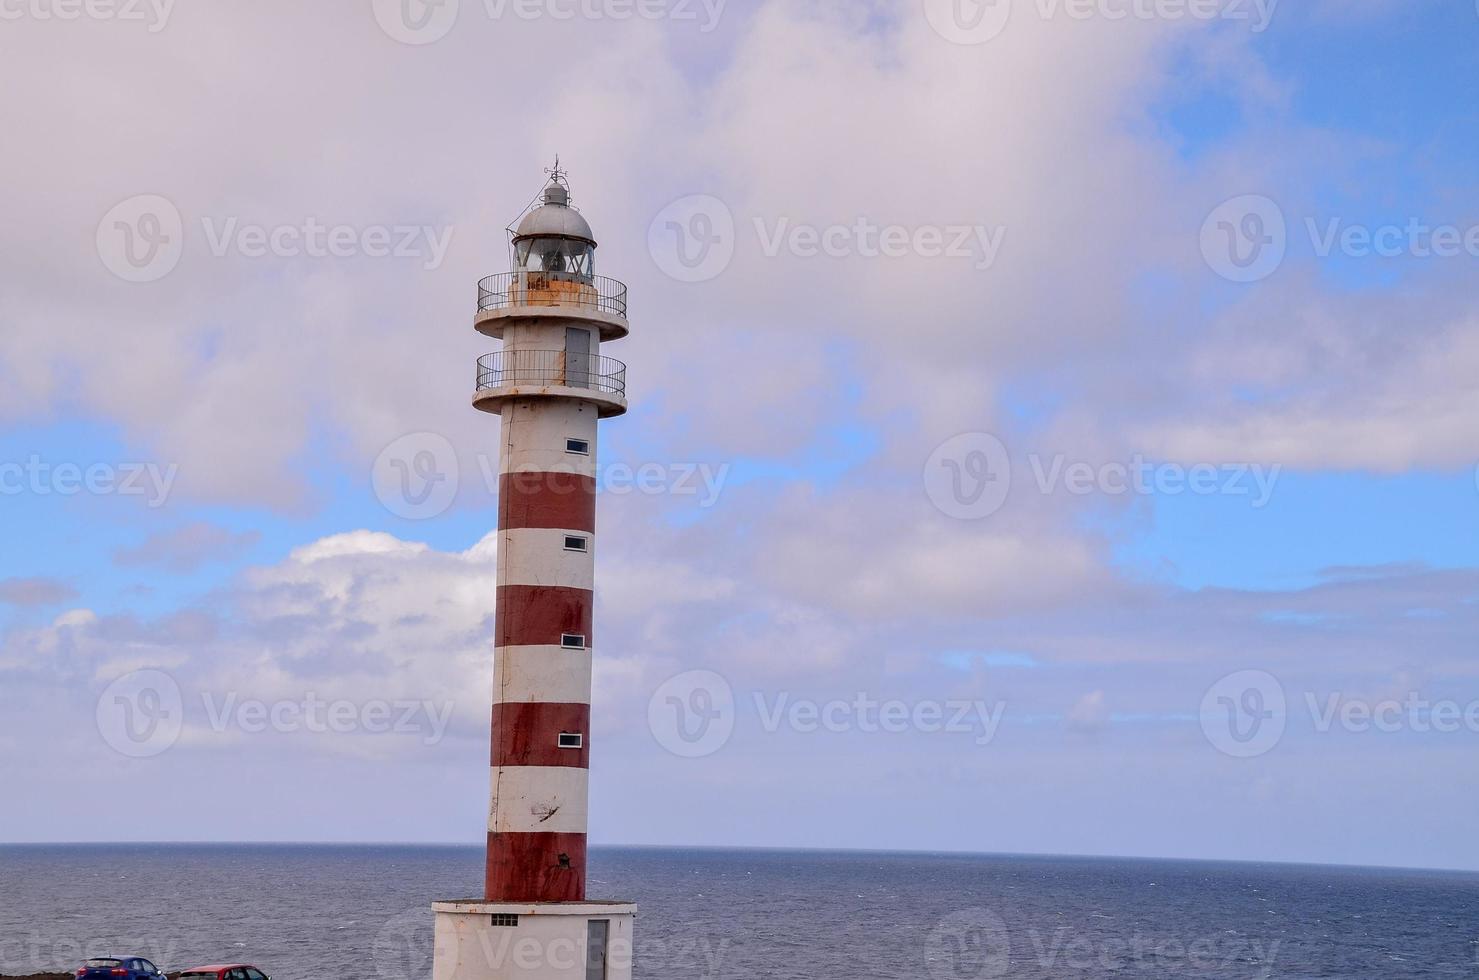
pixel 550 942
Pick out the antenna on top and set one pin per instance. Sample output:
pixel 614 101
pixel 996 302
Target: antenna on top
pixel 558 176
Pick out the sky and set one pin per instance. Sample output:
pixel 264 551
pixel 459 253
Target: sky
pixel 1052 424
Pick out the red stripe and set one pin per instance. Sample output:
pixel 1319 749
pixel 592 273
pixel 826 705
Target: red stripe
pixel 547 500
pixel 539 615
pixel 529 867
pixel 526 734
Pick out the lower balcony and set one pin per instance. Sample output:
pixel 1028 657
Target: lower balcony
pixel 507 375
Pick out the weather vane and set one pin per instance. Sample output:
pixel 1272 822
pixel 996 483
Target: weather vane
pixel 556 175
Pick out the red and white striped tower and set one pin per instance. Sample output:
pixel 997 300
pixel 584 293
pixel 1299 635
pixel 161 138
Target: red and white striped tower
pixel 551 386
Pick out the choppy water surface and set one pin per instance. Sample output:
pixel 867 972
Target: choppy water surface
pixel 331 913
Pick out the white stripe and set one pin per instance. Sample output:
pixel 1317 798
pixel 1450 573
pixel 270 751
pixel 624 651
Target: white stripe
pixel 535 434
pixel 542 675
pixel 539 800
pixel 537 556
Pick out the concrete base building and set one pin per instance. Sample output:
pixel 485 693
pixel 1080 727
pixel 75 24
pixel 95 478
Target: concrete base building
pixel 551 386
pixel 533 941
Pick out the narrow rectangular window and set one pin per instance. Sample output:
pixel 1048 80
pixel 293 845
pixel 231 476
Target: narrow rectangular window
pixel 570 740
pixel 572 641
pixel 501 921
pixel 573 543
pixel 578 447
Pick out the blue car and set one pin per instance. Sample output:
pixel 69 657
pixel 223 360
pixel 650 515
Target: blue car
pixel 120 968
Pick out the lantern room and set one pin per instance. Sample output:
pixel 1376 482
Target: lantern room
pixel 554 240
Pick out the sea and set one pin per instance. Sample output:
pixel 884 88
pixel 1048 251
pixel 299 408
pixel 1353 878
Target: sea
pixel 364 913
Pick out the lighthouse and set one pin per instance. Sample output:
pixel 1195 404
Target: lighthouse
pixel 551 386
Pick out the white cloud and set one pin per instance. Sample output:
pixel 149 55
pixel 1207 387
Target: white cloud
pixel 1356 400
pixel 375 543
pixel 1089 336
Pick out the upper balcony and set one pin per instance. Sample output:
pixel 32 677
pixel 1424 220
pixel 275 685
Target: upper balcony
pixel 506 375
pixel 524 296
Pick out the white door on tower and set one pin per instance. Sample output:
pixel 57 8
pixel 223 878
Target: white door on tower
pixel 578 360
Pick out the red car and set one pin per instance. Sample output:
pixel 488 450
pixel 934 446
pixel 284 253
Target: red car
pixel 229 971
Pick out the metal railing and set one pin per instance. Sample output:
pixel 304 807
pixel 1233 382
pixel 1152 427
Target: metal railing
pixel 511 289
pixel 506 369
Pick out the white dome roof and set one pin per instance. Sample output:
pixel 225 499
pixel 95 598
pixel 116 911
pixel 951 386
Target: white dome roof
pixel 555 217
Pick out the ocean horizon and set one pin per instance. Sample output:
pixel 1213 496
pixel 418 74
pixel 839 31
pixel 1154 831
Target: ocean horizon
pixel 312 911
pixel 759 849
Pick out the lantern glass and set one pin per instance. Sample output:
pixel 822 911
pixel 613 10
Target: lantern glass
pixel 562 258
